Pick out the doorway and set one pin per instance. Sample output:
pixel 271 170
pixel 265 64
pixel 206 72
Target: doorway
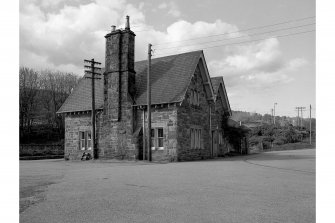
pixel 214 144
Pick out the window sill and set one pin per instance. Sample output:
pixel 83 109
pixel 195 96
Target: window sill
pixel 157 148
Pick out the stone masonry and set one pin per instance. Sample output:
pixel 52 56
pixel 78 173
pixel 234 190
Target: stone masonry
pixel 73 125
pixel 116 125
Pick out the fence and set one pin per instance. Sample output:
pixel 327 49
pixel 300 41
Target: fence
pixel 41 151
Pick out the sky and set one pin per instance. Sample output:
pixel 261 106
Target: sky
pixel 259 68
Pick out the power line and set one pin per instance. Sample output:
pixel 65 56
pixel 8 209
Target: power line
pixel 249 41
pixel 248 29
pixel 254 34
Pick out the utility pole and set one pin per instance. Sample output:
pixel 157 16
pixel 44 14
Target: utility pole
pixel 301 109
pixel 92 70
pixel 271 114
pixel 310 124
pixel 274 113
pixel 149 103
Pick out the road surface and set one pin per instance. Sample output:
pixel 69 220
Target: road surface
pixel 269 187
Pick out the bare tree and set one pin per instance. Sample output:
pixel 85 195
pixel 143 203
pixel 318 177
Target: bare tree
pixel 28 83
pixel 41 95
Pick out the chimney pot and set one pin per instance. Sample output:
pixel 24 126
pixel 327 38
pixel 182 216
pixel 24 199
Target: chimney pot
pixel 127 22
pixel 113 28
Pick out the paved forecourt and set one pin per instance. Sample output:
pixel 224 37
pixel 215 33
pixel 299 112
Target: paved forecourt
pixel 270 187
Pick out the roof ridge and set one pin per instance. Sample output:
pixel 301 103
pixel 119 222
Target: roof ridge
pixel 190 52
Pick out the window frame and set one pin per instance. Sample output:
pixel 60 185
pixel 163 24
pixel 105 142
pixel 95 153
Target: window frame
pixel 85 142
pixel 155 139
pixel 160 138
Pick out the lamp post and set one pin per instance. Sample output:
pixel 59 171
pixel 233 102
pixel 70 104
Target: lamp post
pixel 274 113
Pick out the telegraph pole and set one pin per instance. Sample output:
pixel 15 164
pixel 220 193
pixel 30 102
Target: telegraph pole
pixel 274 113
pixel 300 120
pixel 310 124
pixel 149 103
pixel 271 114
pixel 92 68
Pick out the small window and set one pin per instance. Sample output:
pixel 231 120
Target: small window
pixel 85 140
pixel 160 138
pixel 82 140
pixel 152 139
pixel 198 97
pixel 89 141
pixel 195 98
pixel 195 138
pixel 192 139
pixel 191 97
pixel 199 138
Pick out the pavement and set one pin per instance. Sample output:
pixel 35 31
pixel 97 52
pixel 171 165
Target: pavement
pixel 269 187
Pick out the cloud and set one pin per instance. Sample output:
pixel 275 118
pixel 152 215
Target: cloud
pixel 256 66
pixel 63 38
pixel 163 5
pixel 72 33
pixel 171 7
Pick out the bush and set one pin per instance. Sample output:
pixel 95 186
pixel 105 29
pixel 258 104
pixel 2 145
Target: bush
pixel 266 145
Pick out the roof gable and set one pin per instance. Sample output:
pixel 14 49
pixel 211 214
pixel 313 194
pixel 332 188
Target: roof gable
pixel 170 77
pixel 220 89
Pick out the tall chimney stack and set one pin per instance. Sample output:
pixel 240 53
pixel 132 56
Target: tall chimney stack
pixel 119 92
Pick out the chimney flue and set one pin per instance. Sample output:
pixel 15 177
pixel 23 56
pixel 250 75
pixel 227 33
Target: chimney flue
pixel 127 22
pixel 113 28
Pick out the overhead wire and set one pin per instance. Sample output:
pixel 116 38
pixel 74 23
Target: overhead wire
pixel 246 35
pixel 249 41
pixel 242 30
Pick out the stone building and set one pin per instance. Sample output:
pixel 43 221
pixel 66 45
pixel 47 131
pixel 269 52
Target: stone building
pixel 187 107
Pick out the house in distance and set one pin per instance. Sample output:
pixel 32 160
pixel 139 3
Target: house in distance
pixel 187 107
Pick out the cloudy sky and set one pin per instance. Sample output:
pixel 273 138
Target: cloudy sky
pixel 260 66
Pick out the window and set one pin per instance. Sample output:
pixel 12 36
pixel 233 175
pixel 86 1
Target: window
pixel 195 138
pixel 152 139
pixel 85 140
pixel 198 97
pixel 89 141
pixel 157 138
pixel 160 138
pixel 82 140
pixel 194 97
pixel 192 138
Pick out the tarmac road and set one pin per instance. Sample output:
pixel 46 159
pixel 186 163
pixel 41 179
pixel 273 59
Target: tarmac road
pixel 269 187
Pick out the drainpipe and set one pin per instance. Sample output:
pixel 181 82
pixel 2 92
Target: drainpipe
pixel 210 128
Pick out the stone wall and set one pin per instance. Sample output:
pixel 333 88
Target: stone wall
pixel 193 116
pixel 116 123
pixel 73 125
pixel 166 118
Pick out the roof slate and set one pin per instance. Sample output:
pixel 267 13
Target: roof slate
pixel 216 83
pixel 170 77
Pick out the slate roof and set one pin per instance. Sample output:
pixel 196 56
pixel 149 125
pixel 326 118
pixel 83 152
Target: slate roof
pixel 80 98
pixel 216 83
pixel 170 77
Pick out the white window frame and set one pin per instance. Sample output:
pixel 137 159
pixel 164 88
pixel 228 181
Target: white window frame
pixel 155 139
pixel 85 140
pixel 160 137
pixel 89 140
pixel 82 140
